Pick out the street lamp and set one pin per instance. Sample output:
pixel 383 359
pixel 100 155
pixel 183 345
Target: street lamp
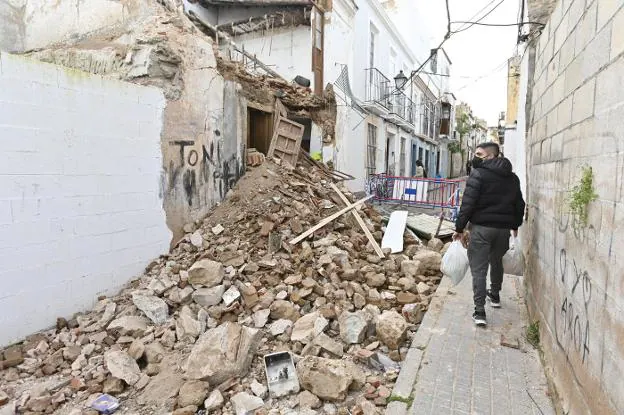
pixel 400 80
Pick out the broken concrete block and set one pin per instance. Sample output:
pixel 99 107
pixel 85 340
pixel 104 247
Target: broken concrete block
pixel 245 403
pixel 222 353
pixel 391 329
pixel 206 273
pixel 353 326
pixel 308 327
pixel 207 297
pixel 329 379
pixel 192 392
pixel 154 307
pixel 122 366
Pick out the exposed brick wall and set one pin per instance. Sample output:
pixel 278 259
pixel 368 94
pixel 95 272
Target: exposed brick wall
pixel 80 210
pixel 575 274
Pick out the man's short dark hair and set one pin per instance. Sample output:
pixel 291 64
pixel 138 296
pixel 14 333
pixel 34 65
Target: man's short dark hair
pixel 491 147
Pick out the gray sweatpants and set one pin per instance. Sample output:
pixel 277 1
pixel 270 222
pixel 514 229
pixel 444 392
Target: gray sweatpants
pixel 486 248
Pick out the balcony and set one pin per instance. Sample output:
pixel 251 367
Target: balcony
pixel 402 110
pixel 384 100
pixel 378 91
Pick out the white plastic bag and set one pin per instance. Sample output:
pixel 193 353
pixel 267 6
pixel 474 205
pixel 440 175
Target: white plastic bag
pixel 455 262
pixel 513 260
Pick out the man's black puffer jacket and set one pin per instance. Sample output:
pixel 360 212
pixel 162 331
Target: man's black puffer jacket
pixel 492 197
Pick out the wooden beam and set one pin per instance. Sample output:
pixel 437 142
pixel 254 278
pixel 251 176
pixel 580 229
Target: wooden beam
pixel 360 222
pixel 327 220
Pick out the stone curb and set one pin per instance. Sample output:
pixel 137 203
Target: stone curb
pixel 409 371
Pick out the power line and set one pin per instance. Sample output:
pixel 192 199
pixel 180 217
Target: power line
pixel 448 16
pixel 481 18
pixel 477 13
pixel 433 51
pixel 500 24
pixel 455 76
pixel 520 19
pixel 492 72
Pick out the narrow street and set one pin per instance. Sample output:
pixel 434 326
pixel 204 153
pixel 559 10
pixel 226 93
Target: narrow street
pixel 259 207
pixel 454 367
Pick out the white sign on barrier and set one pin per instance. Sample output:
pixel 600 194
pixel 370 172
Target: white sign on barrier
pixel 410 190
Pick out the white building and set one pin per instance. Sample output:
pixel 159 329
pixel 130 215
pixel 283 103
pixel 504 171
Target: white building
pixel 355 46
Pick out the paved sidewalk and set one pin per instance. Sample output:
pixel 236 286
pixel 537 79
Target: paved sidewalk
pixel 454 367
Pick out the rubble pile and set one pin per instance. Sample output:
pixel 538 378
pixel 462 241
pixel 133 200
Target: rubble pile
pixel 301 101
pixel 190 335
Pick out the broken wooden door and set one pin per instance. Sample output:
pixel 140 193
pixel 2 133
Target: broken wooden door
pixel 286 141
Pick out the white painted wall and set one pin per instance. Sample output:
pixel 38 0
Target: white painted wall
pixel 286 50
pixel 515 139
pixel 80 210
pixel 43 22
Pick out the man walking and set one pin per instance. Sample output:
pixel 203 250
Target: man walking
pixel 494 206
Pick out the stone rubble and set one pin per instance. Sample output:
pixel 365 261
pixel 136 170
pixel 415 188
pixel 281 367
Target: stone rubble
pixel 190 334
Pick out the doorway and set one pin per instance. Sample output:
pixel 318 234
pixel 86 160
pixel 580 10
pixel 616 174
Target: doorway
pixel 389 165
pixel 260 130
pixel 438 163
pixel 307 132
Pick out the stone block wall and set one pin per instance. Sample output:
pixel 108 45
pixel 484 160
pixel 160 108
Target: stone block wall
pixel 80 206
pixel 575 271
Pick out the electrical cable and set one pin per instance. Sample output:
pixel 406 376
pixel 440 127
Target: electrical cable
pixel 500 24
pixel 448 17
pixel 454 76
pixel 487 75
pixel 481 18
pixel 520 19
pixel 433 51
pixel 479 12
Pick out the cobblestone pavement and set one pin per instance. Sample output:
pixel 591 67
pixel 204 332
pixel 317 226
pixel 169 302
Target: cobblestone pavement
pixel 457 368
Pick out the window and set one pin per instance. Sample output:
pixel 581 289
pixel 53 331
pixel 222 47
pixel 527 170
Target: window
pixel 317 50
pixel 402 157
pixel 318 29
pixel 371 51
pixel 371 151
pixel 393 64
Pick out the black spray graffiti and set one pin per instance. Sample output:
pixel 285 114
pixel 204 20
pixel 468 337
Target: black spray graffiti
pixel 198 167
pixel 574 327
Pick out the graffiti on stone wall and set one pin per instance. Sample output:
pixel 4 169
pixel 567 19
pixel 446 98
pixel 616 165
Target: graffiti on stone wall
pixel 197 165
pixel 573 330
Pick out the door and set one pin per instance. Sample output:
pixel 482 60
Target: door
pixel 286 141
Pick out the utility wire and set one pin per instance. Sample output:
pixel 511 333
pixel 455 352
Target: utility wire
pixel 455 76
pixel 448 17
pixel 500 24
pixel 520 19
pixel 433 51
pixel 480 19
pixel 477 13
pixel 492 72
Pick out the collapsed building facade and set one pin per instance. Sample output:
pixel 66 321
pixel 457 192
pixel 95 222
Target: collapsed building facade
pixel 210 114
pixel 143 108
pixel 356 48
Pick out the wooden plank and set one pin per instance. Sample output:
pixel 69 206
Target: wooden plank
pixel 360 222
pixel 393 237
pixel 280 108
pixel 439 224
pixel 327 220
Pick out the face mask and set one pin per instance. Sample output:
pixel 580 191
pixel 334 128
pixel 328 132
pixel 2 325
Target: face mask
pixel 477 162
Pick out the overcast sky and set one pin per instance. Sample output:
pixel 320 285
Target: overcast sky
pixel 476 52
